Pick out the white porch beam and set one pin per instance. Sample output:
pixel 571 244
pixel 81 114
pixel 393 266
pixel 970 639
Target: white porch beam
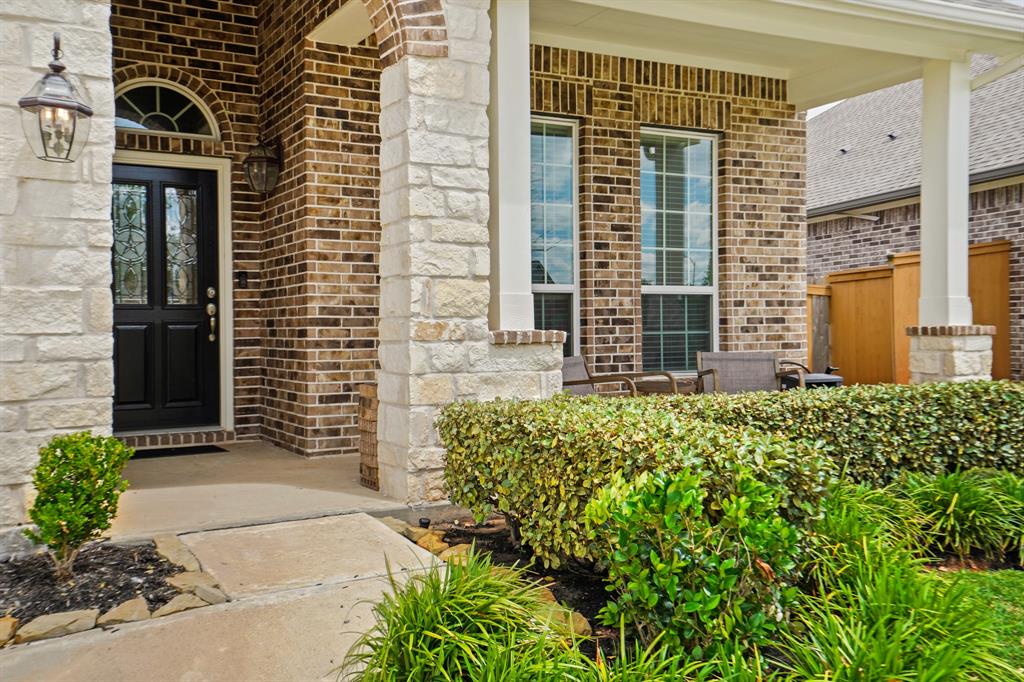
pixel 945 186
pixel 511 284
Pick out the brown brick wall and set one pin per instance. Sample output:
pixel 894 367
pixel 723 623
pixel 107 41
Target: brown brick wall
pixel 995 214
pixel 760 196
pixel 321 231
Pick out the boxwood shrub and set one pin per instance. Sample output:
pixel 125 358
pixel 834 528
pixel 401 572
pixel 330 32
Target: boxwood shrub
pixel 541 462
pixel 876 432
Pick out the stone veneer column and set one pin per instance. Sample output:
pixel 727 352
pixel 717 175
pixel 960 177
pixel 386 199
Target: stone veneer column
pixel 55 305
pixel 435 345
pixel 950 353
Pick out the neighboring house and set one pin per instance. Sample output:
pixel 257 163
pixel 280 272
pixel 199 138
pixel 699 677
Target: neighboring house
pixel 464 184
pixel 863 157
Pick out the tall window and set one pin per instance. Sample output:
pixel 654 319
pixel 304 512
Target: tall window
pixel 553 228
pixel 677 210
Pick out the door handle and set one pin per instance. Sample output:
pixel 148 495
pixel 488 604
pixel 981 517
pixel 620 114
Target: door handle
pixel 211 310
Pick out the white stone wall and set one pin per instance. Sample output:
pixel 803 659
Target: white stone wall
pixel 435 345
pixel 950 358
pixel 55 236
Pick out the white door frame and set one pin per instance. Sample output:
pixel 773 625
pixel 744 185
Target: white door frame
pixel 225 284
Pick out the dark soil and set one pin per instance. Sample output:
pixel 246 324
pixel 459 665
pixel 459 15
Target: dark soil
pixel 579 589
pixel 105 575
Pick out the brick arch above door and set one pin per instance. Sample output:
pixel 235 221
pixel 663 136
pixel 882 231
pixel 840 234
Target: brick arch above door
pixel 226 145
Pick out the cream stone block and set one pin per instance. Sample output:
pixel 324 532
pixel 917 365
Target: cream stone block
pixel 437 78
pixel 461 21
pixel 393 424
pixel 459 231
pixel 445 357
pixel 396 356
pixel 426 202
pixel 20 455
pixel 100 307
pixel 432 259
pixel 451 117
pixel 99 380
pixel 508 385
pixel 32 231
pixel 551 383
pixel 427 486
pixel 40 380
pixel 976 343
pixel 394 84
pixel 395 298
pixel 530 357
pixel 40 311
pixel 463 178
pixel 937 343
pixel 967 363
pixel 472 51
pixel 468 206
pixel 467 386
pixel 13 504
pixel 925 361
pixel 14 348
pixel 72 414
pixel 394 153
pixel 38 266
pixel 422 432
pixel 395 260
pixel 478 84
pixel 480 264
pixel 461 298
pixel 445 149
pixel 10 418
pixel 431 389
pixel 392 387
pixel 425 458
pixel 436 330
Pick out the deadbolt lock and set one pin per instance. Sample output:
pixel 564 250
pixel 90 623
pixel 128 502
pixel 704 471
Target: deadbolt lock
pixel 211 293
pixel 211 309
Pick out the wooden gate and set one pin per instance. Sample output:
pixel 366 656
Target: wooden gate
pixel 869 310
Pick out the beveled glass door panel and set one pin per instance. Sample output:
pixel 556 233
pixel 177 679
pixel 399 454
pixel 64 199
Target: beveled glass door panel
pixel 164 260
pixel 131 251
pixel 181 238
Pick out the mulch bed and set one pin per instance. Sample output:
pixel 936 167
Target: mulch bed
pixel 105 575
pixel 578 589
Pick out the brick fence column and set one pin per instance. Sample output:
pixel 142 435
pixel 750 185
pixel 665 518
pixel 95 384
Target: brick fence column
pixel 950 353
pixel 435 345
pixel 56 368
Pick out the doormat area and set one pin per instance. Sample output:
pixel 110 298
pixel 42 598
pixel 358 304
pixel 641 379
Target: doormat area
pixel 177 450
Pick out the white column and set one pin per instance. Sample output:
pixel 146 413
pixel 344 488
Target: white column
pixel 512 295
pixel 944 194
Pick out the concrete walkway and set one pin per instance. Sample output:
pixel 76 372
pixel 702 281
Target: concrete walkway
pixel 249 483
pixel 301 592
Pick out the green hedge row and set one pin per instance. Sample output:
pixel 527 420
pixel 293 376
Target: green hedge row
pixel 541 462
pixel 875 432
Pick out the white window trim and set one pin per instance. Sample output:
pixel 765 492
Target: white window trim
pixel 573 288
pixel 135 83
pixel 705 290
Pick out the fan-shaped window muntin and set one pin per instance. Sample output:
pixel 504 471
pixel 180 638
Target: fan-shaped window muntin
pixel 155 107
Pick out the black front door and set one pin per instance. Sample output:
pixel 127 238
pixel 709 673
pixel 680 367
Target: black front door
pixel 166 336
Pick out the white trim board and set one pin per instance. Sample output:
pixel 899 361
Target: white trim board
pixel 225 265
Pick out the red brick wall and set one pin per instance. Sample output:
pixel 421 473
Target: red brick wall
pixel 996 214
pixel 760 199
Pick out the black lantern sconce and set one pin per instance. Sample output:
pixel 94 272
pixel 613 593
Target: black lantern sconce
pixel 54 115
pixel 262 167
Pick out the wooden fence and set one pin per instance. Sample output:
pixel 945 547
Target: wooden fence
pixel 858 321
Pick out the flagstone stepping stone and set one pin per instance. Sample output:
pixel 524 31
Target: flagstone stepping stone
pixel 56 625
pixel 432 543
pixel 175 551
pixel 128 612
pixel 190 580
pixel 394 524
pixel 183 602
pixel 414 533
pixel 210 594
pixel 8 625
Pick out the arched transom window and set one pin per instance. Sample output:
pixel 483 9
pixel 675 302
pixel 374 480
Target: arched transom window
pixel 162 108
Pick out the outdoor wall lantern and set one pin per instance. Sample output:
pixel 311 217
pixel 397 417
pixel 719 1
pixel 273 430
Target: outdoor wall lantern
pixel 262 167
pixel 54 115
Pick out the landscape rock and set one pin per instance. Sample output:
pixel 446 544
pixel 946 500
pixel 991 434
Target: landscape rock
pixel 190 580
pixel 547 595
pixel 175 551
pixel 580 625
pixel 8 624
pixel 56 625
pixel 211 595
pixel 183 602
pixel 414 533
pixel 456 554
pixel 128 612
pixel 432 543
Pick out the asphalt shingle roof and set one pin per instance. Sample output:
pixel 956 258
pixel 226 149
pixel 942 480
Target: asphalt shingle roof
pixel 876 164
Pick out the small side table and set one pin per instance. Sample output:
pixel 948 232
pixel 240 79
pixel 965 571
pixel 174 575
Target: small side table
pixel 812 381
pixel 653 386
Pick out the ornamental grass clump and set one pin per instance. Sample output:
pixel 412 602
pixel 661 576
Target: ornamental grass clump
pixel 78 482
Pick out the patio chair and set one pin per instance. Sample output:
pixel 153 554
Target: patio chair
pixel 577 379
pixel 735 372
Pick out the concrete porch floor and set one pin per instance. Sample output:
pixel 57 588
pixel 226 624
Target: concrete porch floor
pixel 250 483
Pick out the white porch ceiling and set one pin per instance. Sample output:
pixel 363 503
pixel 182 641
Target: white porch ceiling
pixel 827 49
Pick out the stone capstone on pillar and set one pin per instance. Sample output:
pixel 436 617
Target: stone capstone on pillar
pixel 950 353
